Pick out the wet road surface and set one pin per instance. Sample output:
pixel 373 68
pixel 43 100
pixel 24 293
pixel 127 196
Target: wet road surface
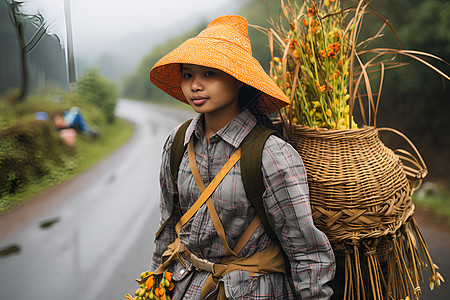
pixel 91 236
pixel 67 242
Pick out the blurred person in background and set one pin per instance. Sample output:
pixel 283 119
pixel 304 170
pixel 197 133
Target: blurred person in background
pixel 72 122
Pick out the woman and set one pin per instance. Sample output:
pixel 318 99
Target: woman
pixel 213 73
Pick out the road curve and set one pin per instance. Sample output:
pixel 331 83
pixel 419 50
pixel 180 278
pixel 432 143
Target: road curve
pixel 68 241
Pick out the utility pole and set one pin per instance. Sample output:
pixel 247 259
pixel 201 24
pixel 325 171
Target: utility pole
pixel 70 55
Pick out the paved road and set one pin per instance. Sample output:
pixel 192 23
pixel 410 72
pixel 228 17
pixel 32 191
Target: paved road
pixel 89 237
pixel 68 242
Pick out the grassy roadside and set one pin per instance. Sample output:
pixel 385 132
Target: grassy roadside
pixel 87 153
pixel 111 139
pixel 434 200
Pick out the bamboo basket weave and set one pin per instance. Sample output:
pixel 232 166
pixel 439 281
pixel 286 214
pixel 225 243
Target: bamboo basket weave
pixel 361 198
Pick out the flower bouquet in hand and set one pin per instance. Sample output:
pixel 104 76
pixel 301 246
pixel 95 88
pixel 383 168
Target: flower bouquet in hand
pixel 153 286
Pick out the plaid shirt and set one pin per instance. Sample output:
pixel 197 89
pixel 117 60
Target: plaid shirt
pixel 286 200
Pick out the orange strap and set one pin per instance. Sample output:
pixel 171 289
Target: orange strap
pixel 209 190
pixel 247 234
pixel 177 247
pixel 270 260
pixel 212 210
pixel 193 164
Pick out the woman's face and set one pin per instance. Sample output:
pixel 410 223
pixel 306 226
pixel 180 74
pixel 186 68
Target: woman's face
pixel 210 91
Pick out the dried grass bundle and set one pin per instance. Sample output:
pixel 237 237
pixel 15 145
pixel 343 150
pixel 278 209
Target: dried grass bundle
pixel 325 69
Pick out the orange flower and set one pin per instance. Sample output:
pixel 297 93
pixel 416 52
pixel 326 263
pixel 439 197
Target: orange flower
pixel 291 26
pixel 157 291
pixel 150 282
pixel 335 76
pixel 312 10
pixel 171 286
pixel 296 54
pixel 323 53
pixel 322 88
pixel 332 54
pixel 291 46
pixel 305 23
pixel 314 30
pixel 169 276
pixel 340 63
pixel 336 47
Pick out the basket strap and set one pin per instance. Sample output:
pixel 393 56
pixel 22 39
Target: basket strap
pixel 209 190
pixel 213 213
pixel 419 171
pixel 176 154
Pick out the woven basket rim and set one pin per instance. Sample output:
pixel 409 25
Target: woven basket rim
pixel 321 132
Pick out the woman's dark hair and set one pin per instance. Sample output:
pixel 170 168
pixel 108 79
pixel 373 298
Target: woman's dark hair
pixel 248 98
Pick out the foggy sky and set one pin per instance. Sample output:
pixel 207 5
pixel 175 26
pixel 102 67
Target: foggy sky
pixel 111 19
pixel 125 30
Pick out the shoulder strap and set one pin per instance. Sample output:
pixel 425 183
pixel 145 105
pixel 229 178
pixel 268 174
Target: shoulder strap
pixel 251 161
pixel 176 154
pixel 178 149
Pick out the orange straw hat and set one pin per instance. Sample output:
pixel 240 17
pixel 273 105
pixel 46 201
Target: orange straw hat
pixel 223 45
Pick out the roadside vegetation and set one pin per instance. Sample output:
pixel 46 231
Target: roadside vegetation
pixel 34 157
pixel 433 199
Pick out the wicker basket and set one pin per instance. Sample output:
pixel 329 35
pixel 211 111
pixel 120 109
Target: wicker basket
pixel 358 187
pixel 361 198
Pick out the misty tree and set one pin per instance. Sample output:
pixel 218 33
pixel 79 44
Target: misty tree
pixel 19 19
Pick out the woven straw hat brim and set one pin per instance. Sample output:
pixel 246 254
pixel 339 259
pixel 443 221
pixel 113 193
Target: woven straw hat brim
pixel 219 54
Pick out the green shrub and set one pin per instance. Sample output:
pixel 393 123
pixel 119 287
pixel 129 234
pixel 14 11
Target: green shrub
pixel 93 88
pixel 33 157
pixel 434 198
pixel 29 150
